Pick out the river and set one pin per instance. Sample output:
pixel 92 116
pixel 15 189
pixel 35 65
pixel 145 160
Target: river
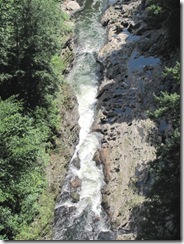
pixel 78 212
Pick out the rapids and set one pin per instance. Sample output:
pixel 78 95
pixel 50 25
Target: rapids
pixel 78 211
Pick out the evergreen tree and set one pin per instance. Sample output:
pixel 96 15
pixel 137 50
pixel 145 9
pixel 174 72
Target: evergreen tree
pixel 29 40
pixel 166 13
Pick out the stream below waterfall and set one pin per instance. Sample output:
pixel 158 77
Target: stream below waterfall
pixel 78 212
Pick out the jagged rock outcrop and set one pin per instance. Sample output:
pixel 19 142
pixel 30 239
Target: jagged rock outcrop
pixel 133 67
pixel 68 135
pixel 66 141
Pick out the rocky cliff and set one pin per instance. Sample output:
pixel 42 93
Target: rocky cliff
pixel 68 135
pixel 133 60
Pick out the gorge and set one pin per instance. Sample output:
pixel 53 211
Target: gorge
pixel 118 67
pixel 79 215
pixel 90 120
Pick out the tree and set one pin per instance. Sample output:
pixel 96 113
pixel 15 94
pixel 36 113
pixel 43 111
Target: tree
pixel 20 162
pixel 30 38
pixel 166 13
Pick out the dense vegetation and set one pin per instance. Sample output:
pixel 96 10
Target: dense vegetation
pixel 30 41
pixel 166 13
pixel 160 213
pixel 30 80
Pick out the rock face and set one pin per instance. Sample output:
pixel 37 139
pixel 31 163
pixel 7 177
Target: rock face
pixel 66 141
pixel 70 6
pixel 132 74
pixel 69 133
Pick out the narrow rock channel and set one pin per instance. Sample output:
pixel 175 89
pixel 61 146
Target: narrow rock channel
pixel 78 212
pixel 118 69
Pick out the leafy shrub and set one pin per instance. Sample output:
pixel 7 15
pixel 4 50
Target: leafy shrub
pixel 154 10
pixel 166 13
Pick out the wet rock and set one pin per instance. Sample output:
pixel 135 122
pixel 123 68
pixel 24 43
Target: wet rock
pixel 108 16
pixel 133 26
pixel 97 219
pixel 70 117
pixel 105 236
pixel 125 23
pixel 63 197
pixel 72 229
pixel 123 100
pixel 75 183
pixel 76 162
pixel 100 94
pixel 75 197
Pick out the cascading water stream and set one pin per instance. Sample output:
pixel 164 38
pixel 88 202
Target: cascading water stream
pixel 78 212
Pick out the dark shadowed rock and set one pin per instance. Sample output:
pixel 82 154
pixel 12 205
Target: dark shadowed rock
pixel 75 196
pixel 106 236
pixel 76 162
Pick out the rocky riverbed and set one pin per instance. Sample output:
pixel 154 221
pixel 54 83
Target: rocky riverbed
pixel 133 61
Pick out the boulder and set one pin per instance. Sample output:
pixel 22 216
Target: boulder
pixel 76 162
pixel 72 6
pixel 75 196
pixel 76 182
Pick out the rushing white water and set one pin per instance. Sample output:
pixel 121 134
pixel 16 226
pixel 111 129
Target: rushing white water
pixel 84 77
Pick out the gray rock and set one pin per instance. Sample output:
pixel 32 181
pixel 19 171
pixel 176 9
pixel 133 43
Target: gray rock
pixel 106 236
pixel 72 6
pixel 76 162
pixel 75 196
pixel 111 2
pixel 123 110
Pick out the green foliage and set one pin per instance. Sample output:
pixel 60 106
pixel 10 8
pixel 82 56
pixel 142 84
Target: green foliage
pixel 41 226
pixel 169 104
pixel 166 13
pixel 173 72
pixel 154 11
pixel 31 37
pixel 21 162
pixel 31 33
